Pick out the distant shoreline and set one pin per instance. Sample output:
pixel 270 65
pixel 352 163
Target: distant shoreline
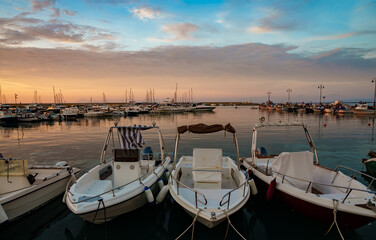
pixel 139 103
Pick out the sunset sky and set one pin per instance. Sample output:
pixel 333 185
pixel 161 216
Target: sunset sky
pixel 223 50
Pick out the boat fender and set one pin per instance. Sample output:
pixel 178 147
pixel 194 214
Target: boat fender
pixel 271 189
pixel 149 195
pixel 3 215
pixel 61 164
pixel 250 173
pixel 65 197
pixel 167 173
pixel 169 167
pixel 162 194
pixel 252 185
pixel 160 183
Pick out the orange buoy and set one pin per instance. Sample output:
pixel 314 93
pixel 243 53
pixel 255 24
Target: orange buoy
pixel 271 189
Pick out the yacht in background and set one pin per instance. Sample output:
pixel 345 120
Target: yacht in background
pixel 364 109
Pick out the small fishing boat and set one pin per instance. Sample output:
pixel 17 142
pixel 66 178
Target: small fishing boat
pixel 126 181
pixel 24 188
pixel 209 186
pixel 296 180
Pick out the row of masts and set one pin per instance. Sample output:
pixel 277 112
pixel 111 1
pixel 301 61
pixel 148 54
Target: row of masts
pixel 186 97
pixel 58 97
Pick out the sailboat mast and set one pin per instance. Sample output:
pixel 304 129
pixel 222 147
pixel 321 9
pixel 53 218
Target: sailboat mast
pixel 54 95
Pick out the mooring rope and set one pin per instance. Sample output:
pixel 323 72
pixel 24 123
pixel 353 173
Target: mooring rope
pixel 95 216
pixel 335 205
pixel 230 224
pixel 192 225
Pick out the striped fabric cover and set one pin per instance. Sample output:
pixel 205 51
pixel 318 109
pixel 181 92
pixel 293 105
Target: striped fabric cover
pixel 130 137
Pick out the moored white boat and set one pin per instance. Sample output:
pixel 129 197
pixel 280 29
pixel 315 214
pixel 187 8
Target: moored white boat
pixel 24 188
pixel 70 113
pixel 199 108
pixel 8 117
pixel 27 117
pixel 208 185
pixel 298 181
pixel 363 109
pixel 123 183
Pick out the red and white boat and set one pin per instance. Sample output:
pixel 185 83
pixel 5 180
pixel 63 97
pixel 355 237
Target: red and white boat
pixel 313 190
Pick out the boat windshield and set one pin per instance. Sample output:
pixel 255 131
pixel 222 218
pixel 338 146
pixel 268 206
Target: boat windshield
pixel 273 140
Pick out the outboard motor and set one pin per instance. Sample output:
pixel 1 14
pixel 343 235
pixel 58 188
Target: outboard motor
pixel 147 153
pixel 31 178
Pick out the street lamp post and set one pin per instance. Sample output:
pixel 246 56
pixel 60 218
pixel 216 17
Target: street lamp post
pixel 289 92
pixel 374 95
pixel 269 95
pixel 320 87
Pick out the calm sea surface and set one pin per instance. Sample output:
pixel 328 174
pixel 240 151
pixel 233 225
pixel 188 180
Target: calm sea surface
pixel 341 140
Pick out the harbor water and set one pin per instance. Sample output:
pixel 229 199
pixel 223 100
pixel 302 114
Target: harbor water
pixel 340 140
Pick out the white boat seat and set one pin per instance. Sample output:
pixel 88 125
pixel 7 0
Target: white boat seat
pixel 97 187
pixel 207 168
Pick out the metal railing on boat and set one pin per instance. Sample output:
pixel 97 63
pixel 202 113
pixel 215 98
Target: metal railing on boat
pixel 348 189
pixel 221 203
pixel 354 176
pixel 195 191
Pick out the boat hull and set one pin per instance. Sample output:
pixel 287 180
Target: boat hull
pixel 320 213
pixel 363 112
pixel 132 113
pixel 8 120
pixel 208 222
pixel 111 212
pixel 371 167
pixel 19 206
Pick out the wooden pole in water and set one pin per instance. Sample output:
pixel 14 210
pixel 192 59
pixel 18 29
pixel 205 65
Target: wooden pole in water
pixel 374 95
pixel 320 87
